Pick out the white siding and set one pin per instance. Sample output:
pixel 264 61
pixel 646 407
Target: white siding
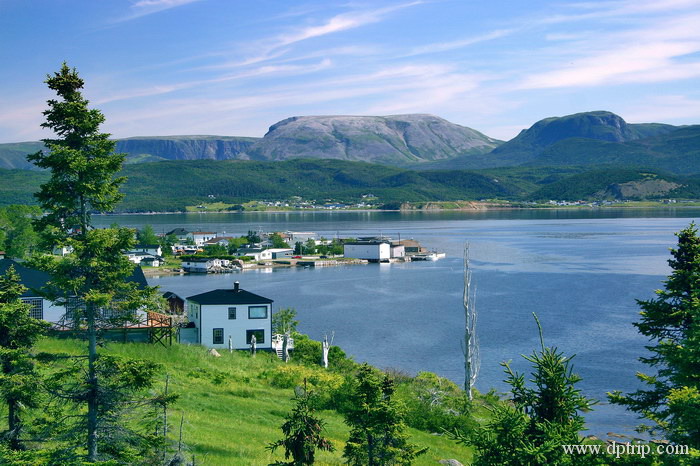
pixel 216 316
pixel 379 251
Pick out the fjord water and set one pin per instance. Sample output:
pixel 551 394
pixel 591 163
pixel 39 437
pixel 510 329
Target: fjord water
pixel 579 270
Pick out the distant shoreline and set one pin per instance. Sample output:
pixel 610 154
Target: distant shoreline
pixel 428 210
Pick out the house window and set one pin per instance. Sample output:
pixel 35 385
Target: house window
pixel 74 308
pixel 36 309
pixel 231 313
pixel 257 312
pixel 218 336
pixel 259 336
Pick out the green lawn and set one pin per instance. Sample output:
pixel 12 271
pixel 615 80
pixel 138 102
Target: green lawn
pixel 231 409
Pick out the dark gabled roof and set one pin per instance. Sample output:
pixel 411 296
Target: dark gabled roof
pixel 170 294
pixel 229 296
pixel 178 231
pixel 138 277
pixel 33 279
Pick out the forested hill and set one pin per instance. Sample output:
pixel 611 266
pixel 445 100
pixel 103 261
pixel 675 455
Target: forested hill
pixel 173 185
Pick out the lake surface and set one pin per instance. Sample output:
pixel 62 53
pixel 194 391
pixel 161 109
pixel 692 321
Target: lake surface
pixel 579 270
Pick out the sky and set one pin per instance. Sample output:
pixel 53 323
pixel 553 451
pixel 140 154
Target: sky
pixel 236 67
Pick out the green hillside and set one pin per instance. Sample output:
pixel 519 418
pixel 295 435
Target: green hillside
pixel 173 185
pixel 233 406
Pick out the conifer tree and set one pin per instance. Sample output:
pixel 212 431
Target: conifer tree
pixel 83 167
pixel 18 333
pixel 302 434
pixel 377 434
pixel 671 399
pixel 539 420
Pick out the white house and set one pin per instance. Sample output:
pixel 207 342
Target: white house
pixel 369 250
pixel 205 264
pixel 281 253
pixel 235 313
pixel 143 258
pixel 152 249
pixel 199 237
pixel 257 253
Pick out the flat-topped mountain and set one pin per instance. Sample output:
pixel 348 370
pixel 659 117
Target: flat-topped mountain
pixel 150 149
pixel 146 149
pixel 390 140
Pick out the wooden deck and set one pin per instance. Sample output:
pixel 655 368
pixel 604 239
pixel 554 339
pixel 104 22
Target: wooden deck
pixel 153 327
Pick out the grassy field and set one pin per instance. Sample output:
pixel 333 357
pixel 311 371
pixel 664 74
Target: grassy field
pixel 232 408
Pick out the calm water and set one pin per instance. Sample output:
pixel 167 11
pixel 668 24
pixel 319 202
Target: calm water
pixel 580 271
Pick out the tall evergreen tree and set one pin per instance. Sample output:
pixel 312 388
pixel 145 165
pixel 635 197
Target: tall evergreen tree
pixel 83 180
pixel 671 399
pixel 376 423
pixel 18 333
pixel 540 419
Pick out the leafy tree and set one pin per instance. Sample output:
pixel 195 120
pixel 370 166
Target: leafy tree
pixel 539 420
pixel 302 434
pixel 671 321
pixel 310 246
pixel 18 333
pixel 298 248
pixel 283 321
pixel 166 242
pixel 376 423
pixel 278 242
pixel 235 243
pixel 252 237
pixel 146 236
pixel 17 235
pixel 83 166
pixel 215 250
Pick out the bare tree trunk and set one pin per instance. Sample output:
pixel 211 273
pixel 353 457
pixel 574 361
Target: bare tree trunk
pixel 325 348
pixel 285 347
pixel 470 345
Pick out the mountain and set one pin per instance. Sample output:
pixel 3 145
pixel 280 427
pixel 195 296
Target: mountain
pixel 590 139
pixel 390 140
pixel 147 149
pixel 151 149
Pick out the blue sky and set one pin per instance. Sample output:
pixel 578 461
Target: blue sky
pixel 235 67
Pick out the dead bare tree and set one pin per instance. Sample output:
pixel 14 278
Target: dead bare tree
pixel 470 345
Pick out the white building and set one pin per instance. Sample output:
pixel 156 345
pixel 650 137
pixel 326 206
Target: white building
pixel 235 313
pixel 200 237
pixel 205 264
pixel 369 250
pixel 153 249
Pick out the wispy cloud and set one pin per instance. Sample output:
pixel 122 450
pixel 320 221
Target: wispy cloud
pixel 341 22
pixel 654 53
pixel 458 44
pixel 147 7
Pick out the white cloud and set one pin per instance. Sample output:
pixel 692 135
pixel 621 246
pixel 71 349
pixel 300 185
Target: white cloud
pixel 458 44
pixel 147 7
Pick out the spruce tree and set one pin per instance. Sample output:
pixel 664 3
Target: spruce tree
pixel 532 428
pixel 83 168
pixel 302 434
pixel 671 321
pixel 376 423
pixel 18 333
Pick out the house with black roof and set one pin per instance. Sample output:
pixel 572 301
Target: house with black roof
pixel 34 281
pixel 232 313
